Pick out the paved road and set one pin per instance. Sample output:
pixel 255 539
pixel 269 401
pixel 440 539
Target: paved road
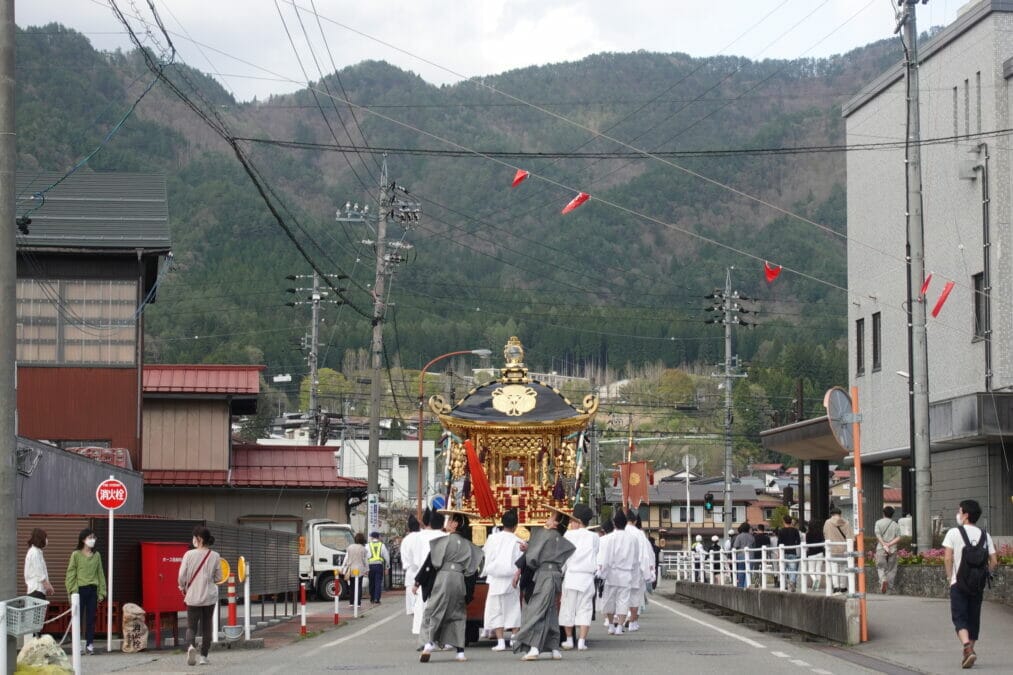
pixel 672 637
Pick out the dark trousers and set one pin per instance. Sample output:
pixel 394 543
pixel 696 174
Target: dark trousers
pixel 89 610
pixel 375 581
pixel 965 610
pixel 199 616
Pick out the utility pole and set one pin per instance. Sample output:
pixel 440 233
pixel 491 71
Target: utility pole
pixel 8 315
pixel 315 299
pixel 728 311
pixel 394 205
pixel 918 344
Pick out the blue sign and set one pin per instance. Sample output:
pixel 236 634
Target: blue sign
pixel 439 502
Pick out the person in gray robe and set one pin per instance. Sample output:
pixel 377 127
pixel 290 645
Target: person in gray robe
pixel 443 579
pixel 547 551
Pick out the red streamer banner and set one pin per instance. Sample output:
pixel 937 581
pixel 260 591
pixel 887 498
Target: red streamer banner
pixel 520 177
pixel 575 202
pixel 484 499
pixel 771 272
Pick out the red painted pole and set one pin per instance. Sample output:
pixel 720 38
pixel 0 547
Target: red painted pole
pixel 232 600
pixel 302 608
pixel 337 598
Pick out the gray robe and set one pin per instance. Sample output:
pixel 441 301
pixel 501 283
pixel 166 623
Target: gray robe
pixel 445 617
pixel 547 551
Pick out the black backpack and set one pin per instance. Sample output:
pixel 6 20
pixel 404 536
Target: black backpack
pixel 973 574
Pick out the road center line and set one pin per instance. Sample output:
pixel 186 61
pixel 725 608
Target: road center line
pixel 751 643
pixel 780 655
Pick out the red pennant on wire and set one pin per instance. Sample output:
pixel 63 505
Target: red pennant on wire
pixel 925 287
pixel 520 177
pixel 575 202
pixel 771 271
pixel 942 298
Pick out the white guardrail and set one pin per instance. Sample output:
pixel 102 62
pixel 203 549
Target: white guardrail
pixel 785 568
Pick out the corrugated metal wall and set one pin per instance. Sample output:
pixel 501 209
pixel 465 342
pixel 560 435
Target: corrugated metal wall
pixel 273 556
pixel 63 482
pixel 94 404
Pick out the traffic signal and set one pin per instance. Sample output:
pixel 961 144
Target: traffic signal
pixel 708 502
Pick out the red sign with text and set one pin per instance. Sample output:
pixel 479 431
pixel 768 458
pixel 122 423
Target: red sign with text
pixel 111 494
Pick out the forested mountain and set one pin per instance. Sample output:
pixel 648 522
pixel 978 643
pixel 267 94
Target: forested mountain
pixel 619 281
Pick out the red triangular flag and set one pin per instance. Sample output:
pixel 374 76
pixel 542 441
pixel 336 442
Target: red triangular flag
pixel 771 271
pixel 942 298
pixel 484 499
pixel 519 177
pixel 925 287
pixel 575 202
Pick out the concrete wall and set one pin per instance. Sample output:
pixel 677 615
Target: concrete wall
pixel 834 618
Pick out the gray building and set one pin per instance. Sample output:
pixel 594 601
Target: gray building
pixel 965 99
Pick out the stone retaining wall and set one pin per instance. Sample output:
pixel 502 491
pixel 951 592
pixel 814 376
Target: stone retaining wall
pixel 929 581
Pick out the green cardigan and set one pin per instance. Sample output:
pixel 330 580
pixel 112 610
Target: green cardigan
pixel 86 571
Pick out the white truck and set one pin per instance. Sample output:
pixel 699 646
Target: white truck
pixel 321 551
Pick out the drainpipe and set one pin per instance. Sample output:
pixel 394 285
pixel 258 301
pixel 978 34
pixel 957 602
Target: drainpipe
pixel 986 274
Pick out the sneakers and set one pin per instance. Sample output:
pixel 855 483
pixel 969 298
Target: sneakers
pixel 612 629
pixel 532 655
pixel 556 655
pixel 969 657
pixel 89 650
pixel 633 626
pixel 461 657
pixel 566 645
pixel 202 661
pixel 581 646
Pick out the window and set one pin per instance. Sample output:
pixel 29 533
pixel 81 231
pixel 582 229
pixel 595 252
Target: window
pixel 738 514
pixel 337 538
pixel 386 463
pixel 860 347
pixel 693 513
pixel 980 298
pixel 877 342
pixel 666 516
pixel 76 321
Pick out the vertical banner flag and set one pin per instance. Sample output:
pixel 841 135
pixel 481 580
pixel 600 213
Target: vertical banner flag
pixel 635 481
pixel 484 499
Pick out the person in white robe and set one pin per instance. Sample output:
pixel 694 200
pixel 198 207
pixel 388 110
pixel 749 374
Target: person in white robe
pixel 435 531
pixel 503 601
pixel 643 571
pixel 409 561
pixel 619 556
pixel 577 604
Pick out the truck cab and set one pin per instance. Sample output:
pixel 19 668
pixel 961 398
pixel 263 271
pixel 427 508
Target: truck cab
pixel 321 551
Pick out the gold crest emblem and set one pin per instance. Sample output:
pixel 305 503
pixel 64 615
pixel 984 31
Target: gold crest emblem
pixel 514 400
pixel 634 479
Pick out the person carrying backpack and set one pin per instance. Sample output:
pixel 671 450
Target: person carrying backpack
pixel 969 559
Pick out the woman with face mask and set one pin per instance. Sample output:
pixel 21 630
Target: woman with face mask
pixel 199 573
pixel 86 577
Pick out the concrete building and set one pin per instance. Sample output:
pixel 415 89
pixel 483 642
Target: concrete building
pixel 964 72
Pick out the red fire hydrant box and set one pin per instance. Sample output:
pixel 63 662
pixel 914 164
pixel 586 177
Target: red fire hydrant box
pixel 160 562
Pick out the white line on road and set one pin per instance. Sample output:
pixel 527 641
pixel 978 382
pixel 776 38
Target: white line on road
pixel 780 655
pixel 751 643
pixel 820 671
pixel 335 643
pixel 800 662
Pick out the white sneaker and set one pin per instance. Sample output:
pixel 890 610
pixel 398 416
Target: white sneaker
pixel 612 629
pixel 634 626
pixel 606 623
pixel 461 657
pixel 202 661
pixel 581 646
pixel 556 654
pixel 567 645
pixel 191 656
pixel 619 630
pixel 532 655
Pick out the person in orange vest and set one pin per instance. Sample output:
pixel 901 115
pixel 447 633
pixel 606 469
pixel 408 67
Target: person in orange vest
pixel 379 559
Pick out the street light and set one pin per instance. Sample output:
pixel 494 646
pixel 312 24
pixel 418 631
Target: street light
pixel 422 384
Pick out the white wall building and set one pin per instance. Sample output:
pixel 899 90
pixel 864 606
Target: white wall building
pixel 965 98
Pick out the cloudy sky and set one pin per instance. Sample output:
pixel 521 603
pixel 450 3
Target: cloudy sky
pixel 244 42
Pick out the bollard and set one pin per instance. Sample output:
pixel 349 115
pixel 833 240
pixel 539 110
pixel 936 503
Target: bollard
pixel 215 620
pixel 246 604
pixel 232 600
pixel 302 608
pixel 75 632
pixel 337 599
pixel 356 584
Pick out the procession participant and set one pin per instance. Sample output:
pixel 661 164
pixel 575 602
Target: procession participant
pixel 604 529
pixel 503 602
pixel 409 544
pixel 442 580
pixel 643 571
pixel 545 556
pixel 618 556
pixel 432 528
pixel 577 604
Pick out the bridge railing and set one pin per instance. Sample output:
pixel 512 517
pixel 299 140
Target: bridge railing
pixel 787 568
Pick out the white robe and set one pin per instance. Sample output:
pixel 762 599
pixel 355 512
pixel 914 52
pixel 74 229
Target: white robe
pixel 409 562
pixel 503 602
pixel 577 603
pixel 421 552
pixel 619 557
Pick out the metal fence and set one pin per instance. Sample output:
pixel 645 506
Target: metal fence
pixel 784 568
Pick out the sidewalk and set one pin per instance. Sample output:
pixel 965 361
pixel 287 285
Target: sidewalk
pixel 917 633
pixel 319 619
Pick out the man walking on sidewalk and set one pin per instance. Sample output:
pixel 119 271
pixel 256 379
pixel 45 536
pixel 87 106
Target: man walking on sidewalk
pixel 969 558
pixel 379 559
pixel 887 536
